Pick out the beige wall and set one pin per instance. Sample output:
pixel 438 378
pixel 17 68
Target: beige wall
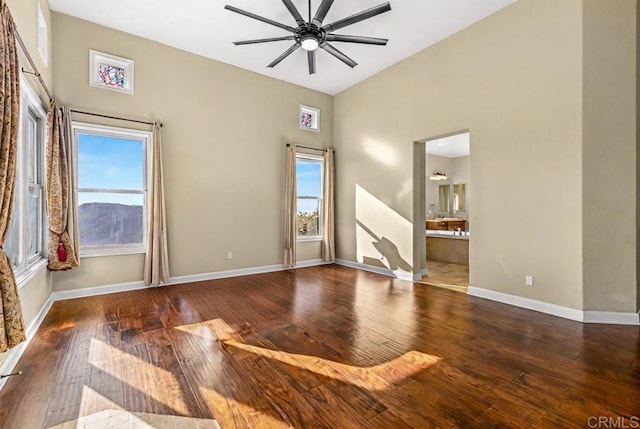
pixel 514 80
pixel 223 146
pixel 34 294
pixel 609 155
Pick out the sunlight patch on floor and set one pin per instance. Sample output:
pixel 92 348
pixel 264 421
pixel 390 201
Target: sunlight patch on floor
pixel 229 412
pixel 375 378
pixel 146 374
pixel 122 419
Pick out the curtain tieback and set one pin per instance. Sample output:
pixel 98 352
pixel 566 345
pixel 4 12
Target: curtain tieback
pixel 62 252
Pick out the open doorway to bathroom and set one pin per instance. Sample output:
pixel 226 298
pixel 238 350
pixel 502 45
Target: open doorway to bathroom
pixel 447 226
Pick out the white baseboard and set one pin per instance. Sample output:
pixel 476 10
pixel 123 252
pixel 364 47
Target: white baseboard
pixel 97 290
pixel 611 317
pixel 14 355
pixel 242 272
pixel 557 310
pixel 420 275
pixel 402 275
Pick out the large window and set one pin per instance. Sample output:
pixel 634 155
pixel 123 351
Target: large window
pixel 24 243
pixel 309 186
pixel 112 189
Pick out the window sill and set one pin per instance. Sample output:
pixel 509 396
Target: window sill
pixel 305 239
pixel 27 275
pixel 98 253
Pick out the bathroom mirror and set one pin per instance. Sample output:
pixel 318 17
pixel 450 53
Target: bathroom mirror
pixel 444 197
pixel 459 197
pixel 452 198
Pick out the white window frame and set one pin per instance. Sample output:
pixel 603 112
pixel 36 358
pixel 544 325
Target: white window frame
pixel 28 266
pixel 126 133
pixel 320 160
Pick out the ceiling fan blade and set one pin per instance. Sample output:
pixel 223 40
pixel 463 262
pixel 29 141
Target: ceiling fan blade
pixel 272 39
pixel 259 18
pixel 339 55
pixel 321 13
pixel 356 39
pixel 284 55
pixel 361 16
pixel 294 12
pixel 311 56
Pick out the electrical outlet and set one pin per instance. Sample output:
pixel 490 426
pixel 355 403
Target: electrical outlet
pixel 528 280
pixel 229 254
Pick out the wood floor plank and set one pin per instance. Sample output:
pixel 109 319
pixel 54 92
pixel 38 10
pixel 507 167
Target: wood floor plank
pixel 140 389
pixel 323 347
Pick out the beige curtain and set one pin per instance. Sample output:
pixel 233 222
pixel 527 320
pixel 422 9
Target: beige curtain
pixel 11 320
pixel 328 222
pixel 290 208
pixel 62 251
pixel 156 263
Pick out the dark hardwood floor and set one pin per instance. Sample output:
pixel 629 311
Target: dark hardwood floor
pixel 325 347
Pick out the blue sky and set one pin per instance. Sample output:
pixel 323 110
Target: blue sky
pixel 110 163
pixel 309 174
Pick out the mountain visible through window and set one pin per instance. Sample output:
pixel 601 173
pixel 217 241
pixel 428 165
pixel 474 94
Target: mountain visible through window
pixel 111 189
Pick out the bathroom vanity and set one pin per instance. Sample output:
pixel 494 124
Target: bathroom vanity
pixel 446 224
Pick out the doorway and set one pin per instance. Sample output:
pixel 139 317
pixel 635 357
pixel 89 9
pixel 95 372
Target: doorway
pixel 447 227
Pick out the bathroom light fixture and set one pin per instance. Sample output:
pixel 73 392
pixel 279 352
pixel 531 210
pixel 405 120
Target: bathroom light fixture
pixel 438 175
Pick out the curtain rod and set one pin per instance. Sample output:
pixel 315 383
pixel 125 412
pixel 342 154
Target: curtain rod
pixel 35 71
pixel 82 112
pixel 309 147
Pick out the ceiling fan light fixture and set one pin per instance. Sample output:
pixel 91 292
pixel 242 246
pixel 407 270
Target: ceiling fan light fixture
pixel 313 34
pixel 309 43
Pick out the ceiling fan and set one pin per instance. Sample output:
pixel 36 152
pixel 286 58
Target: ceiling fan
pixel 311 35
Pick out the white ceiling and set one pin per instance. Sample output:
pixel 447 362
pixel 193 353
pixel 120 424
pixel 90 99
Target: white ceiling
pixel 450 147
pixel 205 28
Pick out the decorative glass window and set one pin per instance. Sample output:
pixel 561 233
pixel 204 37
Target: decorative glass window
pixel 309 186
pixel 112 189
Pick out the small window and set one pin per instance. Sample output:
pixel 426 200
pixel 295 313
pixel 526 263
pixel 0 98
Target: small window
pixel 112 189
pixel 309 187
pixel 42 39
pixel 24 242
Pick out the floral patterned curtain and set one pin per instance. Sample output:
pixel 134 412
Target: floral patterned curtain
pixel 62 249
pixel 11 320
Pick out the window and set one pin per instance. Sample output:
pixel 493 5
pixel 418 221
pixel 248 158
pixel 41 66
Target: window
pixel 112 189
pixel 24 243
pixel 309 186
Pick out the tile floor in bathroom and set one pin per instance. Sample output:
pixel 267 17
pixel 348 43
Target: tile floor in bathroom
pixel 447 275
